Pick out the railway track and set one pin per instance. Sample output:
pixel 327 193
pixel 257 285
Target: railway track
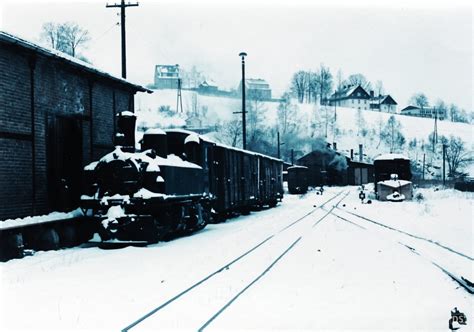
pixel 455 266
pixel 278 244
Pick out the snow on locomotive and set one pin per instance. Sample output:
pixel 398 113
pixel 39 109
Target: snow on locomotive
pixel 176 184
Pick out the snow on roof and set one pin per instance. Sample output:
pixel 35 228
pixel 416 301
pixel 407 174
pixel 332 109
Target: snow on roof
pixel 154 131
pixel 192 138
pixel 32 220
pixel 297 167
pixel 394 183
pixel 391 156
pixel 8 38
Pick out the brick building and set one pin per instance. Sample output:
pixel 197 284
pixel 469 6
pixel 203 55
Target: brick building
pixel 57 114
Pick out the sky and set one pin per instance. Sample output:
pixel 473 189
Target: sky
pixel 411 46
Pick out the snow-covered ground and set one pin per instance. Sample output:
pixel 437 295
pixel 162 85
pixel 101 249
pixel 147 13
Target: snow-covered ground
pixel 336 274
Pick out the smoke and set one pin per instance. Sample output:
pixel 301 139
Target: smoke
pixel 330 158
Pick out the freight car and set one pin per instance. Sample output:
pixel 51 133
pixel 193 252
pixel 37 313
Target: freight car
pixel 392 173
pixel 177 183
pixel 297 179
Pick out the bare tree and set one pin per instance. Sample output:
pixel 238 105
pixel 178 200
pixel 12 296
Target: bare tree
pixel 286 112
pixel 66 37
pixel 456 154
pixel 419 99
pixel 359 79
pixel 392 134
pixel 441 107
pixel 379 88
pixel 324 80
pixel 231 132
pixel 312 87
pixel 299 84
pixel 339 80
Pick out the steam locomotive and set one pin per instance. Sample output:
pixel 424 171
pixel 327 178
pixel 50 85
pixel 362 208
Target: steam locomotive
pixel 177 183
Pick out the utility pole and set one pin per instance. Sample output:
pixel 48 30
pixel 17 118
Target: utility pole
pixel 444 164
pixel 424 155
pixel 244 134
pixel 335 119
pixel 122 7
pixel 435 131
pixel 279 144
pixel 179 100
pixel 292 157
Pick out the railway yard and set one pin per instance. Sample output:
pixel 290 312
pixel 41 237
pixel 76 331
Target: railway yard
pixel 313 262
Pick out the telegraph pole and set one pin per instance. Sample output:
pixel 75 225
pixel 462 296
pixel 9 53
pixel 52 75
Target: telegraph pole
pixel 444 164
pixel 122 7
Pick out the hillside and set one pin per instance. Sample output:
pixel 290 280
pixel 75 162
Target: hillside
pixel 311 118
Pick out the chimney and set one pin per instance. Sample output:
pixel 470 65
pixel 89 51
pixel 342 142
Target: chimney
pixel 360 153
pixel 352 154
pixel 334 146
pixel 372 94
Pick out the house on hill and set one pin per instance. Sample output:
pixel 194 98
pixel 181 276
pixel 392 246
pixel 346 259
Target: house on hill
pixel 208 87
pixel 256 88
pixel 166 76
pixel 351 96
pixel 382 103
pixel 424 112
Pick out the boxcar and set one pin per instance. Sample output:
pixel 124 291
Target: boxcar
pixel 297 179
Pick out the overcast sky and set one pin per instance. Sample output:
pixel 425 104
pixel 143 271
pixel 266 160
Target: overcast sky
pixel 412 46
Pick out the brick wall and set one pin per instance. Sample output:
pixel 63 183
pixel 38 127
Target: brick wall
pixel 60 91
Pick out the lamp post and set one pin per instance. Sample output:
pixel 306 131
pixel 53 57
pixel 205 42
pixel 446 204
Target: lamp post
pixel 244 134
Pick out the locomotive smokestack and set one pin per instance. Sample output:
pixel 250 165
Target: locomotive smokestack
pixel 360 153
pixel 125 136
pixel 334 146
pixel 352 154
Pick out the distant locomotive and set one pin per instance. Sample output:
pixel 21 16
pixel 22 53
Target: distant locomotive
pixel 177 183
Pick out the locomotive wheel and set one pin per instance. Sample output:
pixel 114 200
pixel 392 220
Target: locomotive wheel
pixel 11 246
pixel 48 240
pixel 67 236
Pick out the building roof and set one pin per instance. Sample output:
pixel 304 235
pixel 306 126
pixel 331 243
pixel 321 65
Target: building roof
pixel 7 38
pixel 409 108
pixel 349 92
pixel 383 99
pixel 208 83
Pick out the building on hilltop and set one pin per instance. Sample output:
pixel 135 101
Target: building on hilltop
pixel 382 103
pixel 166 76
pixel 424 112
pixel 355 96
pixel 352 96
pixel 207 87
pixel 57 114
pixel 256 88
